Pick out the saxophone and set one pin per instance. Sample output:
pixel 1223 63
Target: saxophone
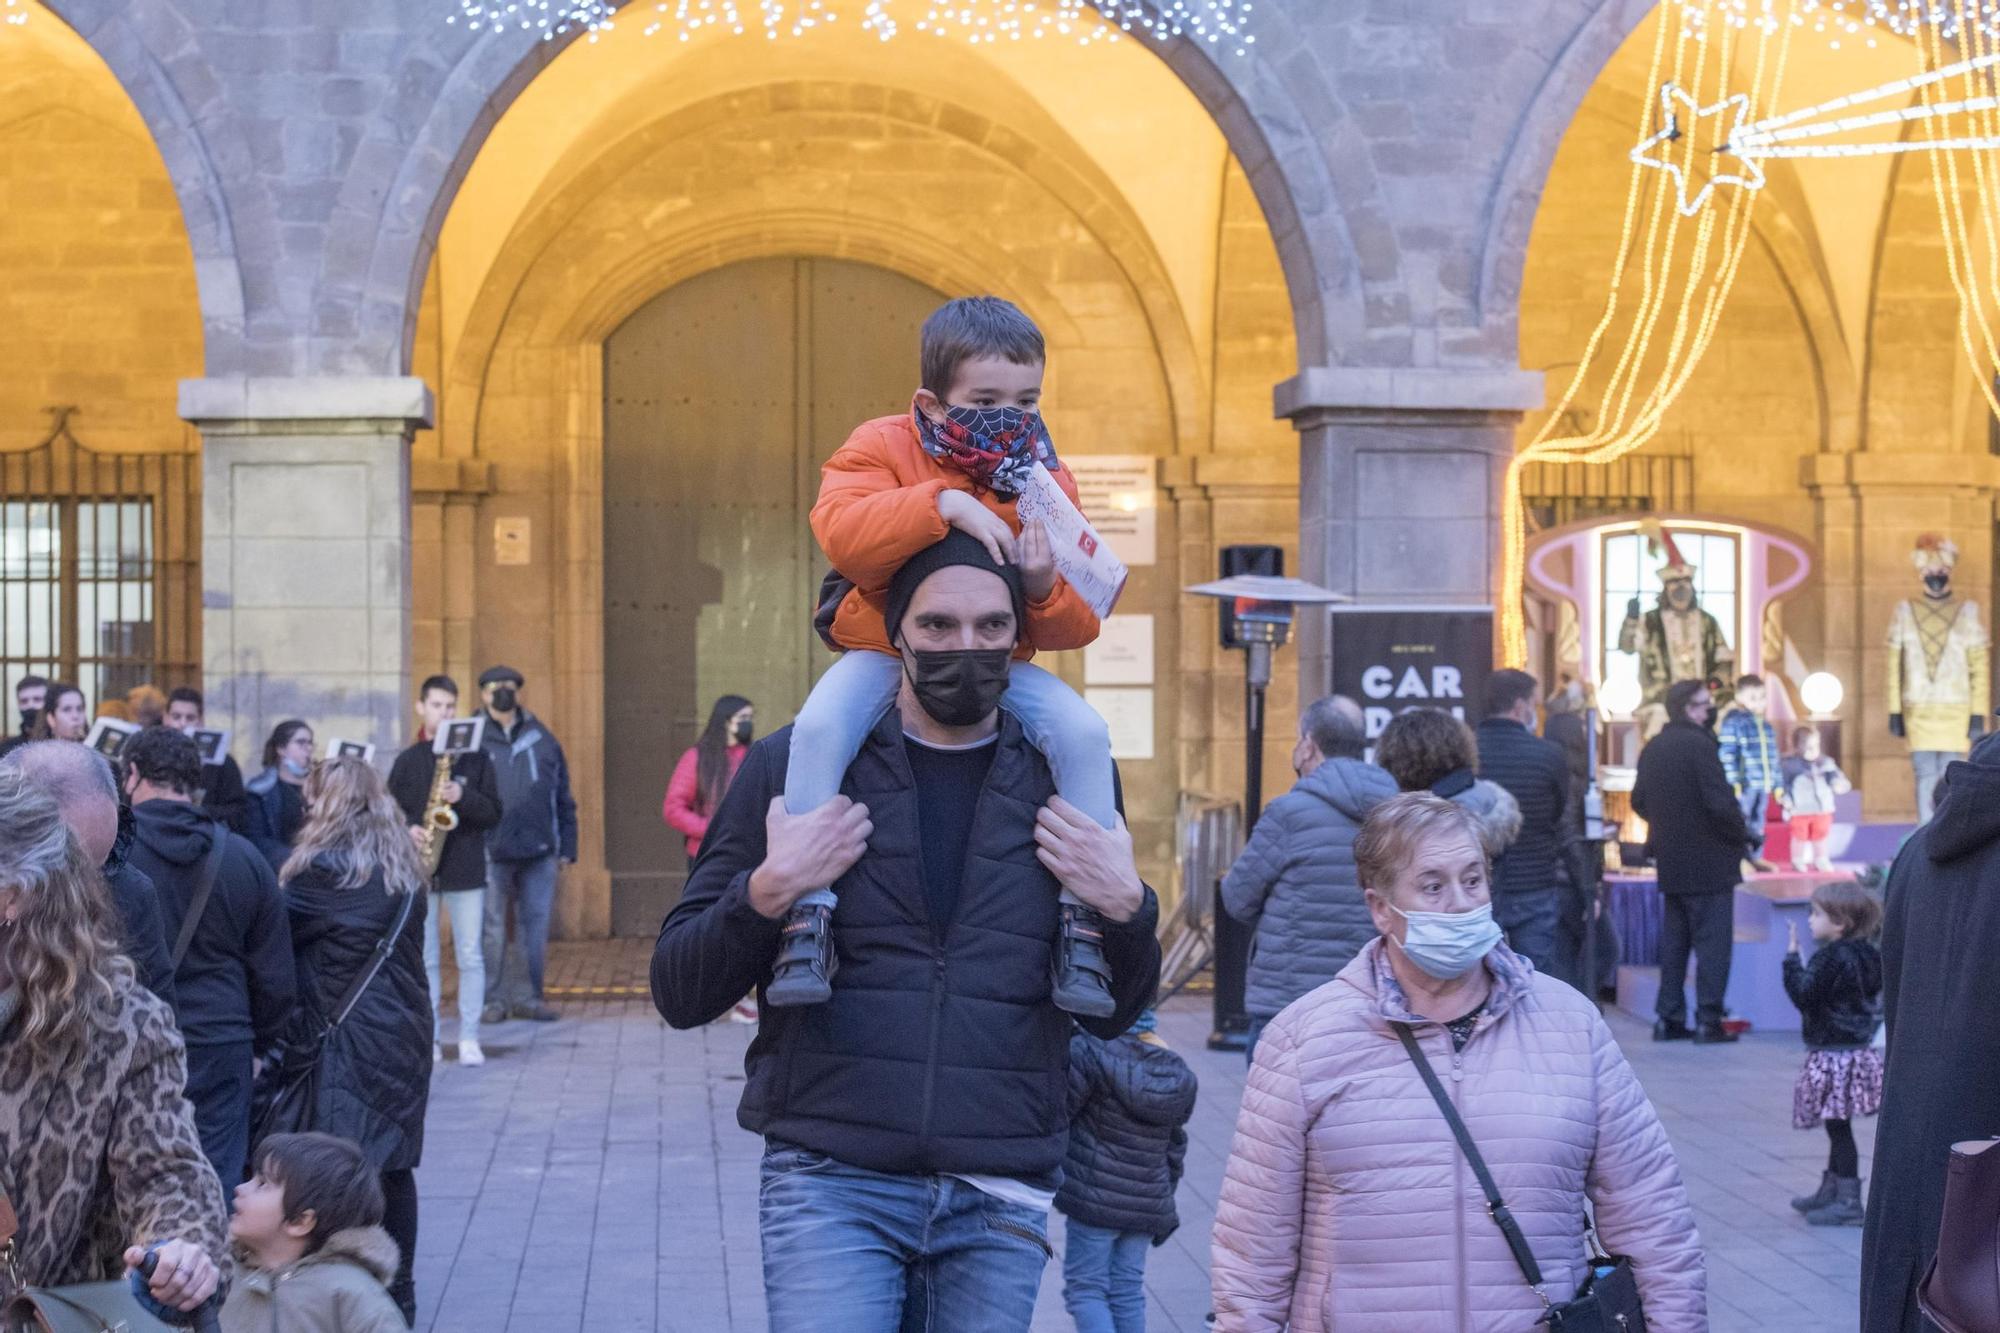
pixel 439 818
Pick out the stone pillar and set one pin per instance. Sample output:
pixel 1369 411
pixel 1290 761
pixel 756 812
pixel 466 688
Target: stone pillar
pixel 306 554
pixel 1872 507
pixel 1400 482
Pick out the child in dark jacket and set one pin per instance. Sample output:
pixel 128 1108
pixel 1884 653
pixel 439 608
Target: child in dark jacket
pixel 1129 1103
pixel 1839 997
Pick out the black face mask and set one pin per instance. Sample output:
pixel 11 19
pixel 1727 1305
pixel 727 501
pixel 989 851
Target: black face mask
pixel 960 687
pixel 504 699
pixel 744 731
pixel 29 716
pixel 1937 585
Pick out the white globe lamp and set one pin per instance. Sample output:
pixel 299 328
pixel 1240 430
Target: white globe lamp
pixel 1619 695
pixel 1822 693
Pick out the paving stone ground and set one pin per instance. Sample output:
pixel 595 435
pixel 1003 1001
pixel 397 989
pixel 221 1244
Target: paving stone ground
pixel 592 1177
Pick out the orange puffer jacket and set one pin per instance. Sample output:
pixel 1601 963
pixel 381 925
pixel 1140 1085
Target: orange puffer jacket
pixel 878 507
pixel 1348 1208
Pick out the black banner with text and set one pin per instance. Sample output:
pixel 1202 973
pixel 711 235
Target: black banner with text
pixel 1392 659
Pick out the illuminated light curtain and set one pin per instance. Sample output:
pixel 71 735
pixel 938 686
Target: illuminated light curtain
pixel 1717 66
pixel 1958 90
pixel 981 22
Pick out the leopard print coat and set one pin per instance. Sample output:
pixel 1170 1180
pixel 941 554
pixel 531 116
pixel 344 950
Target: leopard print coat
pixel 98 1149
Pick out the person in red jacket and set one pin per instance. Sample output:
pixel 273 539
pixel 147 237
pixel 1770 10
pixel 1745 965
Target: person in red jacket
pixel 959 458
pixel 704 773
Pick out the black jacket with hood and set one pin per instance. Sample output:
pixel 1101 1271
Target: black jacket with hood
pixel 1940 940
pixel 236 982
pixel 1129 1103
pixel 138 906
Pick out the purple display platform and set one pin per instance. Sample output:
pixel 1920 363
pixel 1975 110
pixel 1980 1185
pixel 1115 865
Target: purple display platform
pixel 1764 908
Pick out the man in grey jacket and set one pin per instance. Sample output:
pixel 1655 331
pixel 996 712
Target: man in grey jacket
pixel 1295 883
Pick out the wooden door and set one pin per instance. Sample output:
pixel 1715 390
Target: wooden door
pixel 723 396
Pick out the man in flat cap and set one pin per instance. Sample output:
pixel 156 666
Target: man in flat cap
pixel 537 830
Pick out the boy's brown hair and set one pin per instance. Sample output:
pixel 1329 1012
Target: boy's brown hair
pixel 976 326
pixel 1851 907
pixel 329 1175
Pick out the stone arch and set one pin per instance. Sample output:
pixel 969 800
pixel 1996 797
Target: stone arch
pixel 145 47
pixel 1068 178
pixel 403 180
pixel 1531 154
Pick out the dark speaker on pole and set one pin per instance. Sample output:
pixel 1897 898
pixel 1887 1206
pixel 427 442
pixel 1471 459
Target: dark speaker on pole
pixel 1246 560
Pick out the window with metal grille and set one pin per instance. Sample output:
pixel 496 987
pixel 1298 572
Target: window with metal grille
pixel 98 580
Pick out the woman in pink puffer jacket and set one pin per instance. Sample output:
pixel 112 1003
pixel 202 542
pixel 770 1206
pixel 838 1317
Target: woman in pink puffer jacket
pixel 1347 1206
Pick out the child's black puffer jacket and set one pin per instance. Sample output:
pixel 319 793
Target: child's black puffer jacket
pixel 1838 994
pixel 1129 1104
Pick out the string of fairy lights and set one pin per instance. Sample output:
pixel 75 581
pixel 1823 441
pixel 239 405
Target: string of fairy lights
pixel 1685 230
pixel 1862 22
pixel 1220 23
pixel 14 12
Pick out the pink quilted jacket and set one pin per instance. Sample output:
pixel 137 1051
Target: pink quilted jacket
pixel 1348 1208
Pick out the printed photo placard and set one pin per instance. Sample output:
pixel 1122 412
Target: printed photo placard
pixel 108 736
pixel 461 735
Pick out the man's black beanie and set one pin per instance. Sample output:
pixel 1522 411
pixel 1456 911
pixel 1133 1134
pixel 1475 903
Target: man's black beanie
pixel 957 548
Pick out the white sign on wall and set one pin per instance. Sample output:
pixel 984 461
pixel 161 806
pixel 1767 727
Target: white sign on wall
pixel 1120 498
pixel 1129 714
pixel 513 540
pixel 1122 653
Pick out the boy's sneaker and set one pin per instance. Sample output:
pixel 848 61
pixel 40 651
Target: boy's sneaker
pixel 806 959
pixel 1081 984
pixel 470 1054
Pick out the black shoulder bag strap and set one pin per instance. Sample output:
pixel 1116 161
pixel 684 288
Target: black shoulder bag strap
pixel 1496 1208
pixel 211 870
pixel 383 948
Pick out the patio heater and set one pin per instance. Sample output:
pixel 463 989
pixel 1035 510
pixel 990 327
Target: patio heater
pixel 1257 614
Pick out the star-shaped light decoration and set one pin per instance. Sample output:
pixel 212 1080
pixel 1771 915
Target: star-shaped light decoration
pixel 1675 103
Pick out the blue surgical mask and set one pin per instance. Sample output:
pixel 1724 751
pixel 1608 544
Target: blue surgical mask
pixel 295 768
pixel 1447 945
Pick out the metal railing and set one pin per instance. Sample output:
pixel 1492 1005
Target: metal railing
pixel 1208 837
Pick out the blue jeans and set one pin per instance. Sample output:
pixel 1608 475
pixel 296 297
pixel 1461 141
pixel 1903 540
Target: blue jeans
pixel 468 923
pixel 1529 918
pixel 851 697
pixel 853 1251
pixel 1756 802
pixel 1104 1279
pixel 515 966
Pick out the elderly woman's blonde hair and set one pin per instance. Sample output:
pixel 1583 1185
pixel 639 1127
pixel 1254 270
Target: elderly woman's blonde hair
pixel 60 951
pixel 353 828
pixel 1395 829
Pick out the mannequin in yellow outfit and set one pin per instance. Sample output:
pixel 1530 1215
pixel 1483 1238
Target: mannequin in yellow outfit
pixel 1939 685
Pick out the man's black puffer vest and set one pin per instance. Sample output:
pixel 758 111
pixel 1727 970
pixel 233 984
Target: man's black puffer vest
pixel 939 1051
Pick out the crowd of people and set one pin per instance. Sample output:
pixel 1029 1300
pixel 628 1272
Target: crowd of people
pixel 246 976
pixel 925 896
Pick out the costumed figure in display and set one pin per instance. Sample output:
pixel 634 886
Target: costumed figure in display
pixel 1938 682
pixel 1676 640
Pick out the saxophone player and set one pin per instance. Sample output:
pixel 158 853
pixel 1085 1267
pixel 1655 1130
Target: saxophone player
pixel 453 796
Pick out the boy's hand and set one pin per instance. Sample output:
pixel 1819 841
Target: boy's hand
pixel 1038 562
pixel 977 521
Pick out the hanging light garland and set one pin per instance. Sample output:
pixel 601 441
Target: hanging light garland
pixel 981 22
pixel 1862 22
pixel 14 12
pixel 1687 226
pixel 1959 90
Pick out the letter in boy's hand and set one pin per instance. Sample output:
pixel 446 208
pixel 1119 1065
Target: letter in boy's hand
pixel 1038 562
pixel 1081 556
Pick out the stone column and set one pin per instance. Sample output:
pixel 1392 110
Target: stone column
pixel 306 554
pixel 1873 506
pixel 1400 481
